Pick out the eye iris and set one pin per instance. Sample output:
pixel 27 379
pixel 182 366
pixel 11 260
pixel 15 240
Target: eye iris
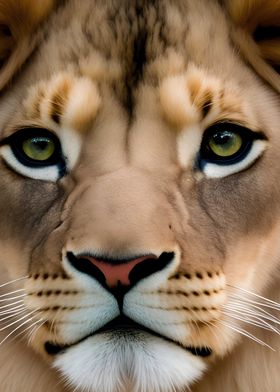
pixel 225 144
pixel 38 148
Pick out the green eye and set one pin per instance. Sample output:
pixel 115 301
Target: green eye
pixel 225 144
pixel 38 148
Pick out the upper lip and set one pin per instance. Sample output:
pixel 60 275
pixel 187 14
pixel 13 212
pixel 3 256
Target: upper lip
pixel 126 324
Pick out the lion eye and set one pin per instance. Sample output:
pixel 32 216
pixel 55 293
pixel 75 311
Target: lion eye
pixel 35 147
pixel 226 143
pixel 34 153
pixel 227 148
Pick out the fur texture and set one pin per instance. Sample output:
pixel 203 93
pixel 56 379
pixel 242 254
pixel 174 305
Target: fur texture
pixel 129 90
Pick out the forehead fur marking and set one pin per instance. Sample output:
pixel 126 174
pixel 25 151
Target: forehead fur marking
pixel 189 98
pixel 59 100
pixel 66 100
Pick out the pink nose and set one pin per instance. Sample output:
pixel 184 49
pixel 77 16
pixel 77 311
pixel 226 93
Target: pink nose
pixel 117 273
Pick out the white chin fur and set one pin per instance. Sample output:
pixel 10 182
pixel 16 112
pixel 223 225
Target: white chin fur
pixel 134 362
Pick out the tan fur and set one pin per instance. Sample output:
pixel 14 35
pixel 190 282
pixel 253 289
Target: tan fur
pixel 66 100
pixel 249 15
pixel 189 98
pixel 21 18
pixel 129 93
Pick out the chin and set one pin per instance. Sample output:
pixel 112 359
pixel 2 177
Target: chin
pixel 130 361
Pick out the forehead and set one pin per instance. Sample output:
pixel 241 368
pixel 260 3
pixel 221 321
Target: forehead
pixel 170 56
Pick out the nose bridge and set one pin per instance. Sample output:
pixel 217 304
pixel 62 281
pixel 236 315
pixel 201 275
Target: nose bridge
pixel 121 212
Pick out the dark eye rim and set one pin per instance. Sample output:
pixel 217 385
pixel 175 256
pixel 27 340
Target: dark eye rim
pixel 15 141
pixel 206 155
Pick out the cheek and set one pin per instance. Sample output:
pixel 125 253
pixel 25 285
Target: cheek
pixel 253 260
pixel 242 204
pixel 230 223
pixel 27 206
pixel 242 258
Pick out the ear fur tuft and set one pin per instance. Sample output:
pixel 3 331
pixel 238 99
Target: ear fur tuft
pixel 18 20
pixel 259 35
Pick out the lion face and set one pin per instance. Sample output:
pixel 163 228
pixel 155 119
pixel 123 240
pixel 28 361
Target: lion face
pixel 139 192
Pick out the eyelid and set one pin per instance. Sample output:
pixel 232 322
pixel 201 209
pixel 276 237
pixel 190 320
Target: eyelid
pixel 25 132
pixel 10 130
pixel 238 125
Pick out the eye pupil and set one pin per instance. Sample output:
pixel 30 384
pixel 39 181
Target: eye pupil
pixel 222 137
pixel 40 144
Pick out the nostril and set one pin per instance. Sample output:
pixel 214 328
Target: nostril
pixel 148 267
pixel 84 265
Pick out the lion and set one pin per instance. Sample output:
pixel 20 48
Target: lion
pixel 139 198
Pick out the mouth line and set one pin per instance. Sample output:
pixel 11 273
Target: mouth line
pixel 125 324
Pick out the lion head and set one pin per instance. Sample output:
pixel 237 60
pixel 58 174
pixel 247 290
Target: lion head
pixel 139 186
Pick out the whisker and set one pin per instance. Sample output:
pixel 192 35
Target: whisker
pixel 211 327
pixel 263 312
pixel 250 313
pixel 26 329
pixel 34 326
pixel 16 321
pixel 11 292
pixel 12 304
pixel 247 334
pixel 12 315
pixel 16 329
pixel 33 332
pixel 256 295
pixel 9 299
pixel 52 326
pixel 12 310
pixel 261 323
pixel 255 302
pixel 13 281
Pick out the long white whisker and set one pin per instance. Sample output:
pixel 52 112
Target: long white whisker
pixel 256 295
pixel 252 314
pixel 26 329
pixel 247 334
pixel 12 304
pixel 12 315
pixel 13 281
pixel 261 311
pixel 238 296
pixel 16 321
pixel 16 329
pixel 11 292
pixel 251 320
pixel 12 310
pixel 9 299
